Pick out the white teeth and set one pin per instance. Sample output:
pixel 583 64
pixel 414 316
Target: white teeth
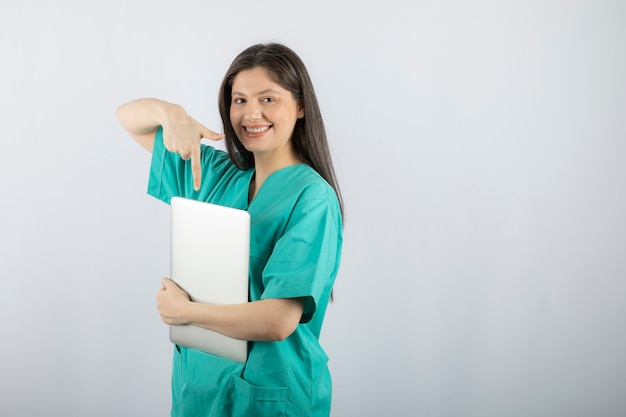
pixel 257 130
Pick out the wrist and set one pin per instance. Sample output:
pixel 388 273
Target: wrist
pixel 185 311
pixel 172 113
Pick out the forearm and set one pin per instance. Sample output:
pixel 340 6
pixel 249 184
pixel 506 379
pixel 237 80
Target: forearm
pixel 263 320
pixel 141 117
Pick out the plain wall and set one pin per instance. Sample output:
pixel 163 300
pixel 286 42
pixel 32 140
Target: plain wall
pixel 480 146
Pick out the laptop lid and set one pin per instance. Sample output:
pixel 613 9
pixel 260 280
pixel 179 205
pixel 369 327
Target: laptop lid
pixel 210 250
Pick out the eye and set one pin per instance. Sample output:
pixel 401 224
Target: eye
pixel 238 101
pixel 268 99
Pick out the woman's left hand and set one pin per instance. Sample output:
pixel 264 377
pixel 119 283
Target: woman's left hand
pixel 171 302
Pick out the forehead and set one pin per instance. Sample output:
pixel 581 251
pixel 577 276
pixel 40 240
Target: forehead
pixel 255 80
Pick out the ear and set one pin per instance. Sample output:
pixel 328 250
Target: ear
pixel 300 111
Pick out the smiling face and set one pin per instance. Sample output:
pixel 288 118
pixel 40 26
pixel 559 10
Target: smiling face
pixel 263 115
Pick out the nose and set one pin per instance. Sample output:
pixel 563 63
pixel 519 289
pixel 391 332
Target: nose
pixel 252 112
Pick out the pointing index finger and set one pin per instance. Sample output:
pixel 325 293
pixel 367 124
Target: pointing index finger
pixel 196 167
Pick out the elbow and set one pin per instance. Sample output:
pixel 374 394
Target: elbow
pixel 284 319
pixel 280 330
pixel 120 112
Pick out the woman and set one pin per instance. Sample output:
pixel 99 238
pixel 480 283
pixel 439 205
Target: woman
pixel 279 169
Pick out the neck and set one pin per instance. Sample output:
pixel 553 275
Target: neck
pixel 265 165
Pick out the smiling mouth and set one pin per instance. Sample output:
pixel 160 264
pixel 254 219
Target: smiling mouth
pixel 256 129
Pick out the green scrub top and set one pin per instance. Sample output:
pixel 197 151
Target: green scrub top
pixel 295 248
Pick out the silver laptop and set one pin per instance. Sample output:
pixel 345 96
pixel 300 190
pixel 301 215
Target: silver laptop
pixel 210 250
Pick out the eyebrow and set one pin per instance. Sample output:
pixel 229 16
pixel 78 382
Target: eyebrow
pixel 260 93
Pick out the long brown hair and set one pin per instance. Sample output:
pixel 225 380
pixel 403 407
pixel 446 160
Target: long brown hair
pixel 309 135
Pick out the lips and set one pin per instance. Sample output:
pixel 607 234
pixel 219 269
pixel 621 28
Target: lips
pixel 256 129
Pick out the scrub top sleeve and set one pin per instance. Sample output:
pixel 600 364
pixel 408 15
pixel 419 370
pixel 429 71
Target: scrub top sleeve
pixel 170 175
pixel 305 259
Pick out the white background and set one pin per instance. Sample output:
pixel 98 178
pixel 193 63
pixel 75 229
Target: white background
pixel 480 146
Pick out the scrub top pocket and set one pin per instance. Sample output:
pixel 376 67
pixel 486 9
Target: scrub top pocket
pixel 250 400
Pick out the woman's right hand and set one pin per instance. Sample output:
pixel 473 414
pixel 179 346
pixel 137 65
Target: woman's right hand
pixel 182 134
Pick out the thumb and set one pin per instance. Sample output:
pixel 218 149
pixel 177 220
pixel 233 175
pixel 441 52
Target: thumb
pixel 209 134
pixel 166 283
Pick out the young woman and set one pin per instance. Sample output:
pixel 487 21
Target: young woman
pixel 279 169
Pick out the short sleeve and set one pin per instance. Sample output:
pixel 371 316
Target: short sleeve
pixel 305 259
pixel 171 176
